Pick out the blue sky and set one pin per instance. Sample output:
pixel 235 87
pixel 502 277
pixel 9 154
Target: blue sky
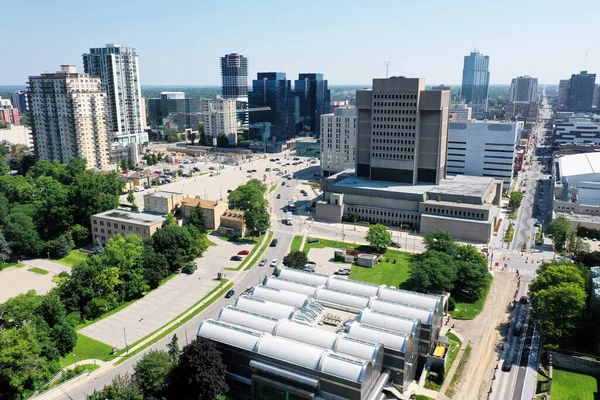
pixel 180 42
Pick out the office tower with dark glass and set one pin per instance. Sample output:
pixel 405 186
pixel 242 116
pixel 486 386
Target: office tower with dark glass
pixel 475 83
pixel 272 89
pixel 313 99
pixel 581 91
pixel 19 101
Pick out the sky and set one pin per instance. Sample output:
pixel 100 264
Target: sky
pixel 180 42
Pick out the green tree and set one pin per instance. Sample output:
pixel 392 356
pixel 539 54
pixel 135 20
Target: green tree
pixel 257 218
pixel 516 197
pixel 22 236
pixel 200 373
pixel 246 196
pixel 126 254
pixel 156 267
pixel 61 246
pixel 472 271
pixel 121 388
pixel 173 349
pixel 152 372
pixel 192 137
pixel 433 271
pixel 80 235
pixel 52 310
pixel 203 140
pixel 130 197
pixel 5 250
pixel 440 240
pixel 130 163
pixel 295 259
pixel 222 141
pixel 91 193
pixel 18 310
pixel 170 220
pixel 197 219
pixel 552 275
pixel 257 184
pixel 558 230
pixel 53 215
pixel 379 237
pixel 64 337
pixel 176 244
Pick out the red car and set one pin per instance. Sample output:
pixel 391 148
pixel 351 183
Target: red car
pixel 243 252
pixel 249 171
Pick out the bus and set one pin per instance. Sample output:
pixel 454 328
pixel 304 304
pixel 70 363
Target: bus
pixel 291 206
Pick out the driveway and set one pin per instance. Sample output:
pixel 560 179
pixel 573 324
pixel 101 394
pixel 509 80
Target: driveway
pixel 163 304
pixel 15 281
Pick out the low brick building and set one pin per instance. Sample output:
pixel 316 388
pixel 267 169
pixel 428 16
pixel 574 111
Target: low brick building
pixel 212 209
pixel 108 223
pixel 162 202
pixel 233 223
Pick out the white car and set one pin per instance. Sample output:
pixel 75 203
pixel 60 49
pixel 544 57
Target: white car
pixel 274 263
pixel 139 189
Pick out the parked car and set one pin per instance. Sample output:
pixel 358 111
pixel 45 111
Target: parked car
pixel 229 191
pixel 396 245
pixel 274 263
pixel 212 168
pixel 249 171
pixel 312 240
pixel 236 258
pixel 189 269
pixel 343 271
pixel 518 329
pixel 229 293
pixel 196 169
pixel 524 299
pixel 302 191
pixel 278 195
pixel 506 366
pixel 139 189
pixel 305 194
pixel 243 253
pixel 282 183
pixel 262 262
pixel 295 158
pixel 274 243
pixel 309 268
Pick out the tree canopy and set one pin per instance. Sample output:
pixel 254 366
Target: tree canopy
pixel 558 230
pixel 295 259
pixel 379 237
pixel 516 197
pixel 440 240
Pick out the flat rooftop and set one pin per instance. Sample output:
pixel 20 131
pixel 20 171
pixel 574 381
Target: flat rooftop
pixel 143 218
pixel 163 194
pixel 465 185
pixel 357 182
pixel 579 164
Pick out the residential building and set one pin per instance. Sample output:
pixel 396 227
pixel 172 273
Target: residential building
pixel 20 101
pixel 522 110
pixel 8 113
pixel 308 147
pixel 577 129
pixel 219 118
pixel 17 134
pixel 596 102
pixel 460 112
pixel 68 113
pixel 523 88
pixel 308 335
pixel 234 74
pixel 313 99
pixel 338 140
pixel 563 92
pixel 273 90
pixel 212 209
pixel 581 91
pixel 5 103
pixel 481 148
pixel 162 202
pixel 108 223
pixel 139 179
pixel 173 112
pixel 475 83
pixel 232 223
pixel 119 69
pixel 400 173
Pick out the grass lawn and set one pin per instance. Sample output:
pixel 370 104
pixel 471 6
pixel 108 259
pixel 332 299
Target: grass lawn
pixel 258 254
pixel 568 385
pixel 73 258
pixel 385 272
pixel 86 348
pixel 470 309
pixel 273 187
pixel 15 264
pixel 459 371
pixel 455 344
pixel 296 242
pixel 208 242
pixel 322 243
pixel 422 397
pixel 37 270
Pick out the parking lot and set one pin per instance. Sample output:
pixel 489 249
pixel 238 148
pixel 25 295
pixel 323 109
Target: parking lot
pixel 15 281
pixel 324 260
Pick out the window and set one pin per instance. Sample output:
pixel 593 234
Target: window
pixel 123 227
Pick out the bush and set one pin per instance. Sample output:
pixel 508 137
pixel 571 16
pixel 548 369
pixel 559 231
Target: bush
pixel 451 304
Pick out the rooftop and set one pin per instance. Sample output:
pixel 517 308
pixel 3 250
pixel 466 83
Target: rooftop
pixel 233 214
pixel 358 182
pixel 195 202
pixel 143 218
pixel 466 185
pixel 579 164
pixel 162 194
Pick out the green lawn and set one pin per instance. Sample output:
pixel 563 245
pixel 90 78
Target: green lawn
pixel 422 397
pixel 455 344
pixel 296 242
pixel 86 348
pixel 471 309
pixel 257 255
pixel 37 270
pixel 73 258
pixel 322 243
pixel 15 264
pixel 273 187
pixel 208 242
pixel 385 272
pixel 568 385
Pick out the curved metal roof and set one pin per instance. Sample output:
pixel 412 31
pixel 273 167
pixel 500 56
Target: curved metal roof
pixel 285 284
pixel 364 289
pixel 357 347
pixel 402 310
pixel 291 351
pixel 350 369
pixel 226 333
pixel 411 298
pixel 303 276
pixel 248 319
pixel 342 298
pixel 305 334
pixel 388 321
pixel 391 340
pixel 293 299
pixel 263 307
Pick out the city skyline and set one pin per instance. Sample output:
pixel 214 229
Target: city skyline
pixel 288 30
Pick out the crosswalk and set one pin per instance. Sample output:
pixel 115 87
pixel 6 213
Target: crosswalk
pixel 523 272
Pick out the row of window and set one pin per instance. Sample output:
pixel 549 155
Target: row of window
pixel 455 213
pixel 389 148
pixel 394 134
pixel 394 119
pixel 394 156
pixel 497 163
pixel 395 112
pixel 393 126
pixel 369 211
pixel 498 169
pixel 137 230
pixel 394 141
pixel 396 96
pixel 394 104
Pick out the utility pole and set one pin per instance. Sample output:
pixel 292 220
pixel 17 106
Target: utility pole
pixel 125 336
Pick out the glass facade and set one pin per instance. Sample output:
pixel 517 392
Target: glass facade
pixel 313 99
pixel 581 91
pixel 180 114
pixel 475 83
pixel 271 89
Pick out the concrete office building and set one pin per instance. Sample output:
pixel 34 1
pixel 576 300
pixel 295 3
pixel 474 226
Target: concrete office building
pixel 460 112
pixel 313 99
pixel 172 111
pixel 297 342
pixel 162 202
pixel 108 223
pixel 523 88
pixel 20 101
pixel 522 110
pixel 475 83
pixel 17 134
pixel 212 210
pixel 68 113
pixel 577 129
pixel 219 118
pixel 338 140
pixel 481 148
pixel 119 69
pixel 581 91
pixel 399 178
pixel 563 92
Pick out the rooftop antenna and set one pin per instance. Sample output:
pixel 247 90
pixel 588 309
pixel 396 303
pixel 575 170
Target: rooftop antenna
pixel 387 67
pixel 585 60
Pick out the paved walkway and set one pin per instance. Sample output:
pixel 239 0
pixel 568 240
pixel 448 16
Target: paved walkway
pixel 15 281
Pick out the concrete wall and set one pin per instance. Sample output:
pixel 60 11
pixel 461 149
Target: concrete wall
pixel 329 212
pixel 468 230
pixel 575 363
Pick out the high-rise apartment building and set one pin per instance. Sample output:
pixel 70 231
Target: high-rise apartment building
pixel 313 99
pixel 475 83
pixel 119 69
pixel 402 131
pixel 273 90
pixel 523 88
pixel 563 92
pixel 234 74
pixel 219 118
pixel 338 140
pixel 19 101
pixel 581 91
pixel 8 113
pixel 172 111
pixel 68 114
pixel 596 102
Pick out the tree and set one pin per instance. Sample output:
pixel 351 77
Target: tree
pixel 52 310
pixel 5 250
pixel 516 197
pixel 440 240
pixel 222 141
pixel 61 246
pixel 121 388
pixel 80 235
pixel 379 237
pixel 192 137
pixel 200 374
pixel 18 310
pixel 433 271
pixel 472 271
pixel 22 236
pixel 558 230
pixel 577 245
pixel 245 197
pixel 173 349
pixel 197 219
pixel 295 259
pixel 130 163
pixel 53 215
pixel 125 253
pixel 257 184
pixel 130 197
pixel 64 337
pixel 175 243
pixel 152 372
pixel 156 267
pixel 91 193
pixel 552 275
pixel 203 140
pixel 170 220
pixel 257 218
